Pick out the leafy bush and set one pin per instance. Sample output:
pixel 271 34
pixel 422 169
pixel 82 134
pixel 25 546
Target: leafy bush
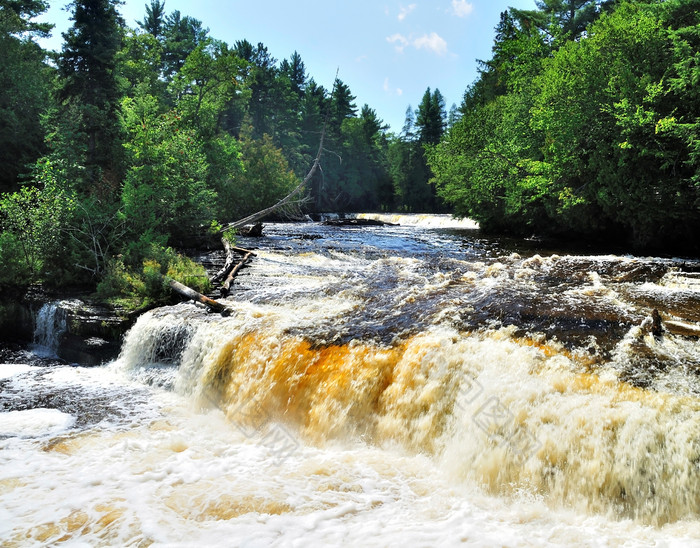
pixel 139 279
pixel 33 219
pixel 166 186
pixel 15 271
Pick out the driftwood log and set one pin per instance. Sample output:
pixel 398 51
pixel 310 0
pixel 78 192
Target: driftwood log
pixel 658 326
pixel 230 260
pixel 189 293
pixel 226 286
pixel 682 328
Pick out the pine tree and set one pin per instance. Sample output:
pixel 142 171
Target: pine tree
pixel 572 17
pixel 181 36
pixel 89 93
pixel 154 21
pixel 295 70
pixel 342 106
pixel 431 117
pixel 24 87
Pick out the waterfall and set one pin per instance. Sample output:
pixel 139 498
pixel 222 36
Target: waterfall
pixel 395 385
pixel 50 324
pixel 490 408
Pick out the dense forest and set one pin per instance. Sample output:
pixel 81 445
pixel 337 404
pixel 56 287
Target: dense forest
pixel 131 142
pixel 583 123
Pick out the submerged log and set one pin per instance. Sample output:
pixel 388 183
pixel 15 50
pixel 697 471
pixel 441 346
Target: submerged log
pixel 190 293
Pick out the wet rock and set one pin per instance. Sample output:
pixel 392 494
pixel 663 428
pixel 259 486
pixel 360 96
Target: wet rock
pixel 16 323
pixel 251 231
pixel 356 222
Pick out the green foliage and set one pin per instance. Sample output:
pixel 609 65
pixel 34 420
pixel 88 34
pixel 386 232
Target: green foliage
pixel 155 18
pixel 88 95
pixel 263 181
pixel 139 64
pixel 225 165
pixel 16 270
pixel 24 88
pixel 139 278
pixel 31 220
pixel 16 17
pixel 431 117
pixel 209 84
pixel 180 37
pixel 165 188
pixel 599 136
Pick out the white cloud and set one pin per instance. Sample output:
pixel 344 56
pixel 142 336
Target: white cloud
pixel 432 42
pixel 400 42
pixel 462 8
pixel 404 12
pixel 399 91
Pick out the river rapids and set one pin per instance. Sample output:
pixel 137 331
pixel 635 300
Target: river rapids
pixel 418 384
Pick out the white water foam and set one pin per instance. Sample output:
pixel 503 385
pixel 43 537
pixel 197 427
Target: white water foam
pixel 418 220
pixel 31 423
pixel 183 477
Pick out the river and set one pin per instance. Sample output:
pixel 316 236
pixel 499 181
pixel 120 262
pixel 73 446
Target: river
pixel 419 385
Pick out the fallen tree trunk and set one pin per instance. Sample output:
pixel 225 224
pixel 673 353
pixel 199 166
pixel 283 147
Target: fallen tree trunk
pixel 230 260
pixel 288 198
pixel 190 293
pixel 226 286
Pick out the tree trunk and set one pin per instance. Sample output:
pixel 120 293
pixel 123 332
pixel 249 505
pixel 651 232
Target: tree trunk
pixel 190 293
pixel 226 286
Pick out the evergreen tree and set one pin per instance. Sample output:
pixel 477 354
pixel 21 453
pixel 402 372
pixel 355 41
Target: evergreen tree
pixel 181 36
pixel 261 77
pixel 89 93
pixel 295 70
pixel 154 21
pixel 431 118
pixel 342 106
pixel 24 87
pixel 566 18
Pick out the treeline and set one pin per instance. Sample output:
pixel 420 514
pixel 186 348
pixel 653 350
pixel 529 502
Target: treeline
pixel 130 141
pixel 584 122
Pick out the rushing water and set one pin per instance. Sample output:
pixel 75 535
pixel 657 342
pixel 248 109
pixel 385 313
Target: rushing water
pixel 50 325
pixel 416 384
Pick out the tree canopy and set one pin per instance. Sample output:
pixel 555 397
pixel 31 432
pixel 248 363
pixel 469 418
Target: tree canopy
pixel 591 134
pixel 131 141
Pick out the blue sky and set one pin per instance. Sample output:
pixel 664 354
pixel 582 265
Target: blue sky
pixel 388 52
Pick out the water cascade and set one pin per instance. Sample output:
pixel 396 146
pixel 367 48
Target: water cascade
pixel 50 324
pixel 403 384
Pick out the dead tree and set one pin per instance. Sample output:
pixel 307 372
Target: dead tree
pixel 226 286
pixel 229 271
pixel 190 293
